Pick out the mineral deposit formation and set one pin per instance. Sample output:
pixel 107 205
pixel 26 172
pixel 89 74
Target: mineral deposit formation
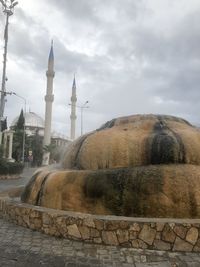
pixel 141 165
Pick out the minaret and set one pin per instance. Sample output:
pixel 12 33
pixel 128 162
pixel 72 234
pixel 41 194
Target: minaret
pixel 73 110
pixel 49 100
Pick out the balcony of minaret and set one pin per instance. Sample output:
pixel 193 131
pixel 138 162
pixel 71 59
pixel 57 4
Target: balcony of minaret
pixel 49 98
pixel 50 73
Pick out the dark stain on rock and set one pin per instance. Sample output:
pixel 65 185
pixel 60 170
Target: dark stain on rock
pixel 108 124
pixel 164 145
pixel 79 144
pixel 41 191
pixel 28 188
pixel 192 204
pixel 123 190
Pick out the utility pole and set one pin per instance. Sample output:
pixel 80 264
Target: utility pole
pixel 8 9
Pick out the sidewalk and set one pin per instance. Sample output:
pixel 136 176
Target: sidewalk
pixel 25 177
pixel 22 247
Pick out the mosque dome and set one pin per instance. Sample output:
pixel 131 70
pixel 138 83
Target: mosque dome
pixel 33 122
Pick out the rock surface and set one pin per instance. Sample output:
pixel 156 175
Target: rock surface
pixel 142 165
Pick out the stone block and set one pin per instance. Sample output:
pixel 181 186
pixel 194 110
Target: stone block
pixel 147 234
pixel 89 222
pixel 159 226
pixel 133 235
pixel 180 231
pixel 123 236
pixel 73 231
pixel 196 249
pixel 198 242
pixel 110 238
pixel 46 219
pixel 172 225
pixel 137 243
pixel 99 225
pixel 192 235
pixel 161 245
pixel 26 219
pixel 153 225
pixel 85 232
pixel 35 214
pixel 168 234
pixel 181 245
pixel 124 225
pixel 53 231
pixel 158 236
pixel 94 232
pixel 37 223
pixel 111 225
pixel 135 227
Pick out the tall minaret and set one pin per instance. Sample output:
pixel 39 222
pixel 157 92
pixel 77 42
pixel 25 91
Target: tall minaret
pixel 49 100
pixel 73 110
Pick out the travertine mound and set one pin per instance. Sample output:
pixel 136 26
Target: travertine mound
pixel 143 165
pixel 136 141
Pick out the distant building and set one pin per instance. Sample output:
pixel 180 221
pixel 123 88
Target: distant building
pixel 35 124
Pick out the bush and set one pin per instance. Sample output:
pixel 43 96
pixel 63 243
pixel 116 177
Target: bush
pixel 10 167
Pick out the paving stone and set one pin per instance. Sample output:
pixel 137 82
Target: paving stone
pixel 147 234
pixel 154 264
pixel 192 235
pixel 181 245
pixel 32 249
pixel 193 264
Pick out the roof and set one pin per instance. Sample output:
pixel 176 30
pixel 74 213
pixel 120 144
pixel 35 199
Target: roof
pixel 31 120
pixel 51 55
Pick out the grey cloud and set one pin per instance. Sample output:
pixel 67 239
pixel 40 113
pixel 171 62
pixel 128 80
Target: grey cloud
pixel 138 65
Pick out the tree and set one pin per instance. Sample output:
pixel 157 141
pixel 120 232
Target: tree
pixel 54 152
pixel 35 144
pixel 21 121
pixel 18 137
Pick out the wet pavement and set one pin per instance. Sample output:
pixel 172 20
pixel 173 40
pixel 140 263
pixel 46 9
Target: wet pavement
pixel 22 247
pixel 25 177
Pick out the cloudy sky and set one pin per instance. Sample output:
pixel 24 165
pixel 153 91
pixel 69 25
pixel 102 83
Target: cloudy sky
pixel 129 56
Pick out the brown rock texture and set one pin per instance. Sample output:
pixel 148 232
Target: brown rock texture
pixel 136 141
pixel 141 165
pixel 79 226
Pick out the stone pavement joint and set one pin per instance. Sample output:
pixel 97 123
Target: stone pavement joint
pixel 21 247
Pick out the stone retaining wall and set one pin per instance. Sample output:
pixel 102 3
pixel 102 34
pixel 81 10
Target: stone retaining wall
pixel 9 176
pixel 145 233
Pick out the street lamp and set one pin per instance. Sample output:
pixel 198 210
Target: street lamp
pixel 82 107
pixel 8 9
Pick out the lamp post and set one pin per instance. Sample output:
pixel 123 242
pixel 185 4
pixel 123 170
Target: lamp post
pixel 82 108
pixel 8 9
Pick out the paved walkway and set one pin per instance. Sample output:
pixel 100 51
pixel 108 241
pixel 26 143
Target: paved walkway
pixel 20 246
pixel 25 177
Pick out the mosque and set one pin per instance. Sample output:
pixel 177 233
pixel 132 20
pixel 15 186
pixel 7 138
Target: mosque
pixel 36 124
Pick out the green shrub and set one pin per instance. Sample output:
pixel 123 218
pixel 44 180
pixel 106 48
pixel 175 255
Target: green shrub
pixel 10 167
